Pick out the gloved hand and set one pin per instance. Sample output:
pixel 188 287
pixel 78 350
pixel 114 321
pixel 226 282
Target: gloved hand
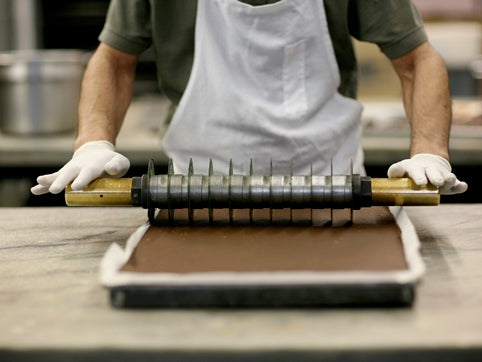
pixel 92 160
pixel 423 168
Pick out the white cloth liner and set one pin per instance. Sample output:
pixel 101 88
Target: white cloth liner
pixel 115 258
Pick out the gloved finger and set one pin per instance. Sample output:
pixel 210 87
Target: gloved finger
pixel 450 180
pixel 118 166
pixel 416 173
pixel 47 180
pixel 39 190
pixel 85 176
pixel 396 170
pixel 457 188
pixel 436 176
pixel 65 176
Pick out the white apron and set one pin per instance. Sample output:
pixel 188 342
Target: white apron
pixel 264 87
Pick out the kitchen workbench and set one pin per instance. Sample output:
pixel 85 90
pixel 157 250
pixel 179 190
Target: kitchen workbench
pixel 54 308
pixel 386 138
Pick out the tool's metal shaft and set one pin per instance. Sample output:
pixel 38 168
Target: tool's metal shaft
pixel 255 191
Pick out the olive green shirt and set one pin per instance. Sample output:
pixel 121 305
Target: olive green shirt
pixel 133 26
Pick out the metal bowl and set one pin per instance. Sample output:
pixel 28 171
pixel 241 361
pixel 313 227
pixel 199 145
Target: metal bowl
pixel 39 91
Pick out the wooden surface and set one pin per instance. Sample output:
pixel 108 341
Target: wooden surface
pixel 54 308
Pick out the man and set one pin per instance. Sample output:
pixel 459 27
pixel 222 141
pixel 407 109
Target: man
pixel 260 80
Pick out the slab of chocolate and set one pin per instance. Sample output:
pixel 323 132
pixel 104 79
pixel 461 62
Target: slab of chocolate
pixel 372 242
pixel 268 258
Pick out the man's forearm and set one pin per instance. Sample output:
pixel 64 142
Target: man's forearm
pixel 105 96
pixel 427 100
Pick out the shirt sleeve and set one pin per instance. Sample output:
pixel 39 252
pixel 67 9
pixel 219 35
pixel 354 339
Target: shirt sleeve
pixel 128 26
pixel 394 25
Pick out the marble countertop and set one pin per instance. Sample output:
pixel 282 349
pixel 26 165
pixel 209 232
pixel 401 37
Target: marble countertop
pixel 54 307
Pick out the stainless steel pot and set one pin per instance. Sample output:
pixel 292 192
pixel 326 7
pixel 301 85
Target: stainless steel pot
pixel 39 91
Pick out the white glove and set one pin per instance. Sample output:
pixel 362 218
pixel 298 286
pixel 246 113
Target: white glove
pixel 426 168
pixel 92 160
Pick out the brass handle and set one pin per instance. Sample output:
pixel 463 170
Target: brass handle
pixel 403 191
pixel 102 192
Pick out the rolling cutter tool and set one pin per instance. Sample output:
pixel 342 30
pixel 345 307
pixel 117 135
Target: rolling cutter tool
pixel 232 191
pixel 194 191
